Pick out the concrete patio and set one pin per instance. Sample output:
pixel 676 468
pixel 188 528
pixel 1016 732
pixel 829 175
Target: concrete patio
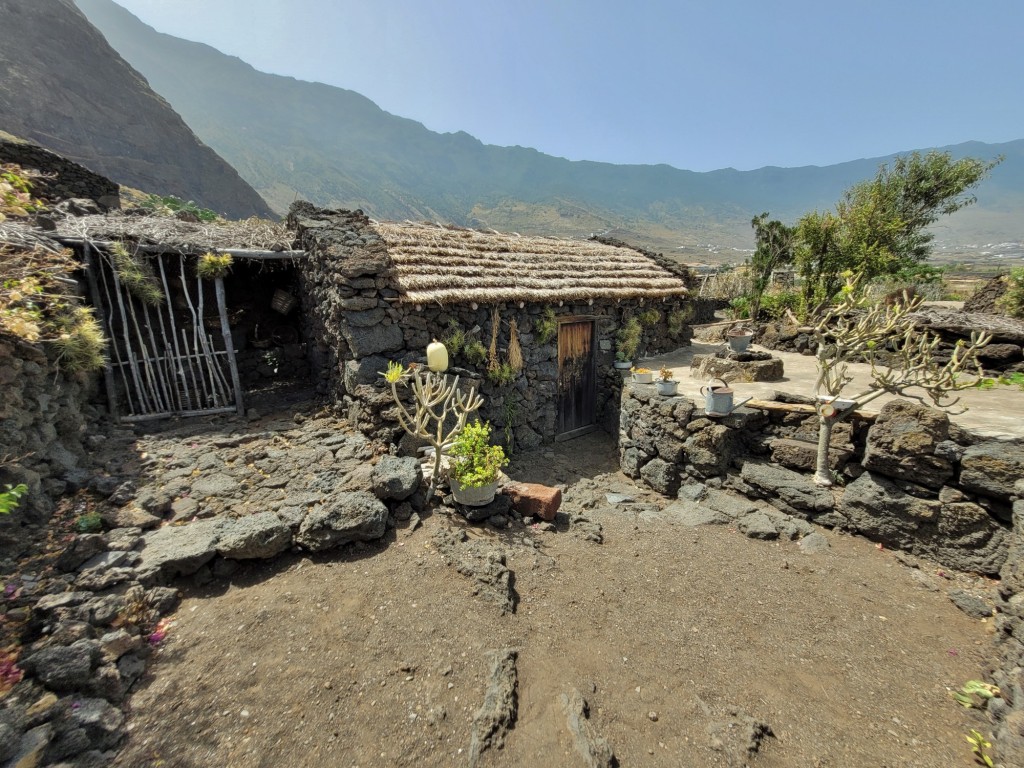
pixel 997 412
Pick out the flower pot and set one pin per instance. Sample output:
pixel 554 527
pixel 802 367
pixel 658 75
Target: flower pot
pixel 667 387
pixel 623 365
pixel 643 378
pixel 739 339
pixel 473 497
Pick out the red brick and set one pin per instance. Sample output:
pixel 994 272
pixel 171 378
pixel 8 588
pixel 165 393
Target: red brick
pixel 534 499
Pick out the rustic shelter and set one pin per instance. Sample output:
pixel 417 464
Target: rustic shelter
pixel 182 343
pixel 332 295
pixel 531 321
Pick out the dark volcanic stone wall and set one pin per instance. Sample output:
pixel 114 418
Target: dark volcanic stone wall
pixel 43 419
pixel 361 326
pixel 62 178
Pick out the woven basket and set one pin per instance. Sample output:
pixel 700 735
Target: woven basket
pixel 283 301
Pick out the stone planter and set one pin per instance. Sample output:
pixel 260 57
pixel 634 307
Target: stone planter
pixel 623 365
pixel 667 388
pixel 473 497
pixel 643 378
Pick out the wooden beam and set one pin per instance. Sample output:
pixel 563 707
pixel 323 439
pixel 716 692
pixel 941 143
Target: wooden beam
pixel 229 344
pixel 241 253
pixel 94 292
pixel 772 405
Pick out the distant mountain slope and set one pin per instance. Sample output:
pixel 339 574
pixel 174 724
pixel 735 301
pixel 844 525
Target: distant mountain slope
pixel 291 139
pixel 64 87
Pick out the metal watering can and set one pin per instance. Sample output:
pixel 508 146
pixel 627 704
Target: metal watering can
pixel 718 398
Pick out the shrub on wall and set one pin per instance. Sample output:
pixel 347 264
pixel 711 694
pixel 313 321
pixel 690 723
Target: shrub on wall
pixel 1012 302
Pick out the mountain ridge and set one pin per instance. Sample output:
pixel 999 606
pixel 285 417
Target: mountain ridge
pixel 62 86
pixel 291 138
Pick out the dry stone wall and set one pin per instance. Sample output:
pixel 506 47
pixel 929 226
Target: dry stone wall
pixel 62 179
pixel 43 419
pixel 1004 354
pixel 911 480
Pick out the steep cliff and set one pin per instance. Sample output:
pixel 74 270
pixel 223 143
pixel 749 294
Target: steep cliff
pixel 63 87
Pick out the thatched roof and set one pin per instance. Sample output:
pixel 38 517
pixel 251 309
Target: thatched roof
pixel 433 263
pixel 16 236
pixel 174 234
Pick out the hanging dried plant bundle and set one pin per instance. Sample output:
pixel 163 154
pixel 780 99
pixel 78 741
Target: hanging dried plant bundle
pixel 136 274
pixel 515 352
pixel 492 353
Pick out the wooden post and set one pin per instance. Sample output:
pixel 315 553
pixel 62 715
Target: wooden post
pixel 229 345
pixel 94 293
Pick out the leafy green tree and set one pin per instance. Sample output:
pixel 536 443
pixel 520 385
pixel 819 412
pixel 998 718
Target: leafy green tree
pixel 820 260
pixel 773 249
pixel 880 225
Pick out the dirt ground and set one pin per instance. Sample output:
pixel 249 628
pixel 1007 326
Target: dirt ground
pixel 678 638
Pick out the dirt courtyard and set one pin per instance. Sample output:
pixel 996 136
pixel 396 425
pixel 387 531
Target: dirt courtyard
pixel 682 640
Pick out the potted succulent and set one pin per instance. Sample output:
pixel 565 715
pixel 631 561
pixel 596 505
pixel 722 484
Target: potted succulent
pixel 642 375
pixel 665 384
pixel 474 467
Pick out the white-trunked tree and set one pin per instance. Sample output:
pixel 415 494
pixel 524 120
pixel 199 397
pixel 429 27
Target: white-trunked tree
pixel 902 358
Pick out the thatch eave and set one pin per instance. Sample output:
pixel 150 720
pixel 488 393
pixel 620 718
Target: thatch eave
pixel 171 234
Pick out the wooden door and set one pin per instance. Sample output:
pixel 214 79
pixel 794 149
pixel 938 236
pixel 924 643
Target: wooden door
pixel 577 379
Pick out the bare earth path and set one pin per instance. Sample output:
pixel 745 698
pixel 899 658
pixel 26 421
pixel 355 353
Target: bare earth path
pixel 677 637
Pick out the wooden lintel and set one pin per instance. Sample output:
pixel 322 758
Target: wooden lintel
pixel 241 253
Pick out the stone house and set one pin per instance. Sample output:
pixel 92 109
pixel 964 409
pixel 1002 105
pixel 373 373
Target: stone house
pixel 379 292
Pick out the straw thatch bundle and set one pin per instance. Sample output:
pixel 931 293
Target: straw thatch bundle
pixel 447 264
pixel 515 351
pixel 17 236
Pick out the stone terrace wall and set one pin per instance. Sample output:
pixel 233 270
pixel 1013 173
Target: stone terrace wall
pixel 914 481
pixel 65 179
pixel 43 419
pixel 357 327
pixel 1004 354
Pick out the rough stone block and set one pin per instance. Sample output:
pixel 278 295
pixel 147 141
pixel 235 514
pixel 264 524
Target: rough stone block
pixel 898 514
pixel 662 476
pixel 710 366
pixel 64 668
pixel 259 536
pixel 800 454
pixel 177 550
pixel 396 477
pixel 902 444
pixel 711 450
pixel 787 490
pixel 992 468
pixel 352 516
pixel 373 340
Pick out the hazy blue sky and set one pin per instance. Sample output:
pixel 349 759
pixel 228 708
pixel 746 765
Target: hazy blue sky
pixel 698 84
